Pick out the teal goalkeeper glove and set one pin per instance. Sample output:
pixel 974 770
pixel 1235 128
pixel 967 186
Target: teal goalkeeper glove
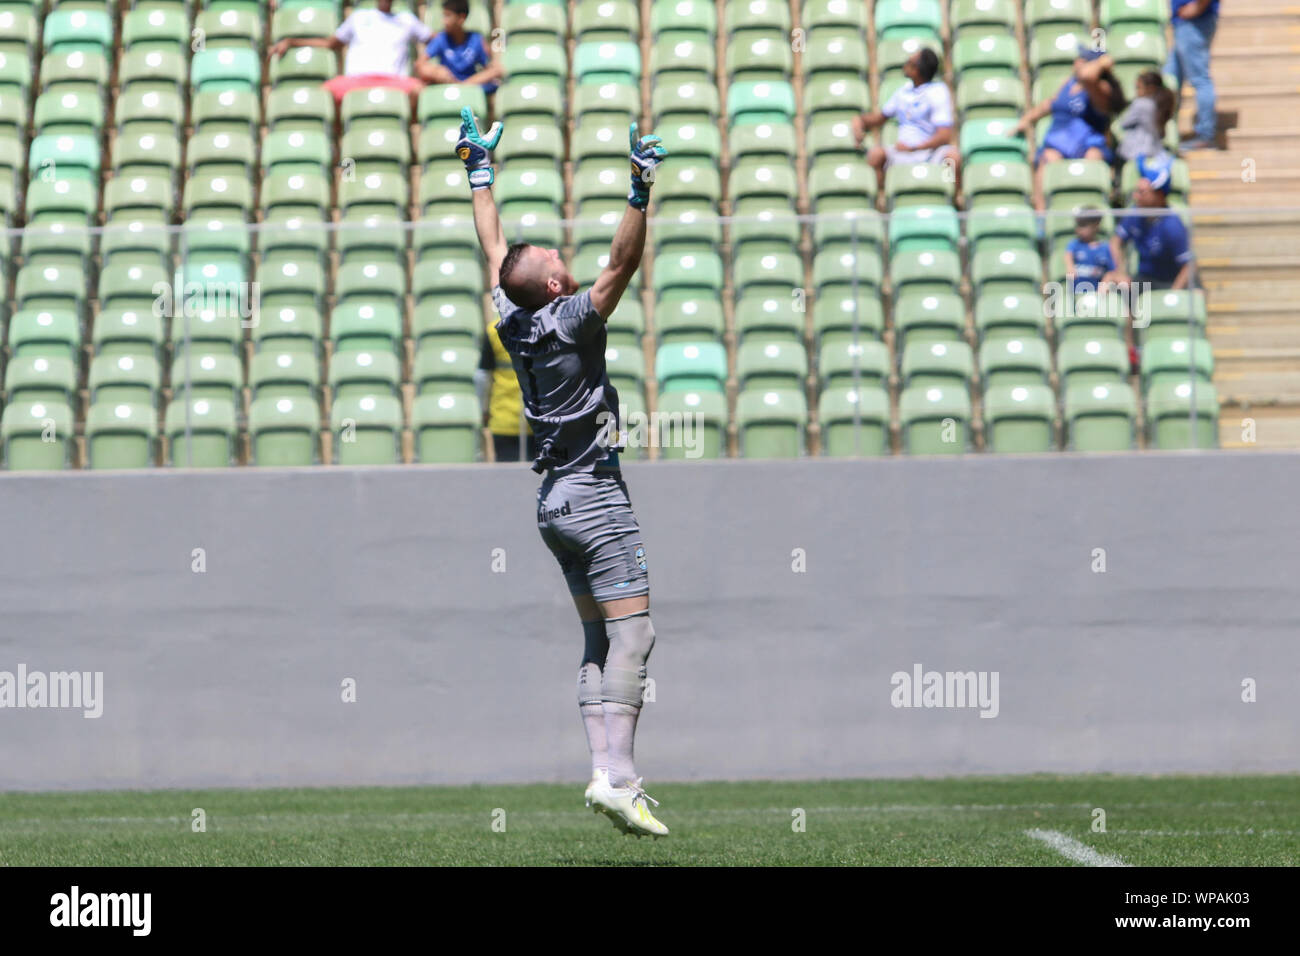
pixel 646 155
pixel 473 148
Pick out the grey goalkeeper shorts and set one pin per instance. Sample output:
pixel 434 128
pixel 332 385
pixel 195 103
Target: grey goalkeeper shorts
pixel 587 522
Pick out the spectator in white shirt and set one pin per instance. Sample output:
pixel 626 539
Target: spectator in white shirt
pixel 923 109
pixel 378 44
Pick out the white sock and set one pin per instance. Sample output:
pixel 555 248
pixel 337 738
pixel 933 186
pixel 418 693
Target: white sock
pixel 620 731
pixel 593 719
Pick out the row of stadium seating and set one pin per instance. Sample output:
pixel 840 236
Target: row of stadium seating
pixel 369 325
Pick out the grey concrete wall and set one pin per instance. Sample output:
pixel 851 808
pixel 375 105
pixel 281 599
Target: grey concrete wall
pixel 464 673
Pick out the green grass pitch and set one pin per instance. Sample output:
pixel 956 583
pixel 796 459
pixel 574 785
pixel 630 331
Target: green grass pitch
pixel 1150 821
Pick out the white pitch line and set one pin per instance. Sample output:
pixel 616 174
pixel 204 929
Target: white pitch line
pixel 1074 850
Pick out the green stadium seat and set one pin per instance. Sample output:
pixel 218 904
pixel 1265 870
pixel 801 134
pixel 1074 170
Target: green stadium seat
pixel 1173 360
pixel 205 437
pixel 770 422
pixel 283 430
pixel 44 332
pixel 280 372
pixel 990 96
pixel 36 435
pixel 756 15
pixel 854 422
pixel 367 430
pixel 40 378
pixel 676 18
pixel 1015 361
pixel 844 363
pixel 361 372
pixel 839 55
pixel 840 316
pixel 287 108
pixel 120 435
pixel 979 17
pixel 445 369
pixel 693 424
pixel 924 271
pixel 607 61
pixel 1088 362
pixel 1151 14
pixel 200 373
pixel 936 363
pixel 225 68
pixel 155 28
pixel 230 28
pixel 128 331
pixel 446 427
pixel 935 420
pixel 1170 314
pixel 760 101
pixel 919 184
pixel 991 141
pixel 1019 418
pixel 977 54
pixel 771 364
pixel 1070 13
pixel 1100 416
pixel 1014 271
pixel 134 379
pixel 442 102
pixel 293 328
pixel 1169 414
pixel 924 315
pixel 903 18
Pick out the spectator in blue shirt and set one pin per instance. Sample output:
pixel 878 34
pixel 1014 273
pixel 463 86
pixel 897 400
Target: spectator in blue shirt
pixel 1088 259
pixel 1194 23
pixel 1164 252
pixel 457 55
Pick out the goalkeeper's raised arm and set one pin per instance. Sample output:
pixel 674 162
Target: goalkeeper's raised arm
pixel 474 149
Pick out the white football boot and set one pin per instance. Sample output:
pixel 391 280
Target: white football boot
pixel 597 776
pixel 627 807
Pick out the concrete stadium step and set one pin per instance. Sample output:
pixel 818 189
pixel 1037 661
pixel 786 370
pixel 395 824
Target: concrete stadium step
pixel 1266 27
pixel 1267 387
pixel 1259 137
pixel 1249 336
pixel 1249 268
pixel 1266 158
pixel 1251 105
pixel 1241 243
pixel 1227 195
pixel 1257 360
pixel 1266 176
pixel 1235 289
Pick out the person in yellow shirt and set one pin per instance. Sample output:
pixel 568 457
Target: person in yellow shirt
pixel 503 403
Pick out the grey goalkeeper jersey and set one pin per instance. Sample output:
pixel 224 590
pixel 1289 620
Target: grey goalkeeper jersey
pixel 559 357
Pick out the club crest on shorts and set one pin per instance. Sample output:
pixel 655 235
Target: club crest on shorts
pixel 640 558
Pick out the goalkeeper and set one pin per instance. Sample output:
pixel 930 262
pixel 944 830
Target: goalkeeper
pixel 556 339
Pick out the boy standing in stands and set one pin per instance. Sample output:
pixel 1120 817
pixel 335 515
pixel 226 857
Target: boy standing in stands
pixel 457 55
